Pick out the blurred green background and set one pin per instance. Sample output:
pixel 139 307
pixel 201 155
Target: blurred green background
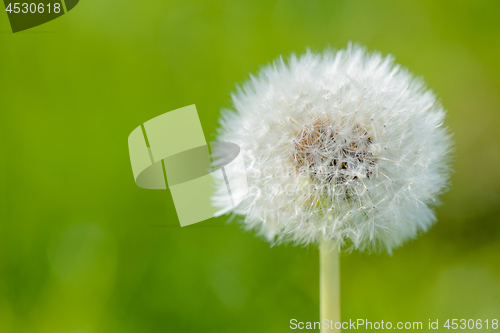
pixel 83 249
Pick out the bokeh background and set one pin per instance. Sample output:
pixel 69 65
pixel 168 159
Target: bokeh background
pixel 84 250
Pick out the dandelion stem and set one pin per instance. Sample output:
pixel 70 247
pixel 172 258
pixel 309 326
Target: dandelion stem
pixel 329 284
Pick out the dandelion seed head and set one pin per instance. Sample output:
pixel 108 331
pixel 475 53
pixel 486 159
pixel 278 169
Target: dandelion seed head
pixel 345 145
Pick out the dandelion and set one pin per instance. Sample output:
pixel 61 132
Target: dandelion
pixel 343 149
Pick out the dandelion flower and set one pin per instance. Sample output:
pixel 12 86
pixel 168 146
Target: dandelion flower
pixel 344 148
pixel 343 145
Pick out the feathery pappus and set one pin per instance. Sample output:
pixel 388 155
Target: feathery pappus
pixel 345 145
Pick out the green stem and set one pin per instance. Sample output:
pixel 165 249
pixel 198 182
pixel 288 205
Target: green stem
pixel 329 284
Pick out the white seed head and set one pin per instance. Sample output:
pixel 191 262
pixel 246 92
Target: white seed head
pixel 345 145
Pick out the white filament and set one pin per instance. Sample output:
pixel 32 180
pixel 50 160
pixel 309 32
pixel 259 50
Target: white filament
pixel 344 145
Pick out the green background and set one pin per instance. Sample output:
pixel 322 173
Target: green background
pixel 83 249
